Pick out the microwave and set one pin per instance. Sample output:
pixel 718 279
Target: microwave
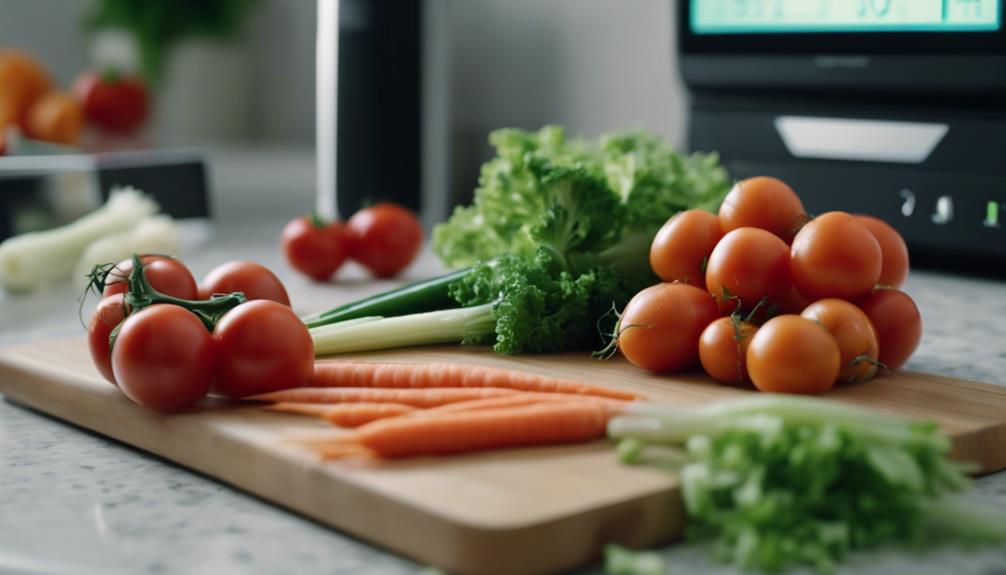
pixel 894 108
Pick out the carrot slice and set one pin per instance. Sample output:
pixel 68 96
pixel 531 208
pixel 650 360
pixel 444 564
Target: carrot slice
pixel 429 397
pixel 427 375
pixel 465 431
pixel 345 414
pixel 517 400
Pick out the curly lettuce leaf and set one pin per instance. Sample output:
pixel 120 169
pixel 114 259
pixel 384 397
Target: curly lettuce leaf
pixel 575 196
pixel 539 306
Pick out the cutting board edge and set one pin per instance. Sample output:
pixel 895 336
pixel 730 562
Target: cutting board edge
pixel 452 553
pixel 475 548
pixel 21 367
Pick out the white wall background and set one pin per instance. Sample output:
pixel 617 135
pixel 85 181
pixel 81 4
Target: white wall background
pixel 591 65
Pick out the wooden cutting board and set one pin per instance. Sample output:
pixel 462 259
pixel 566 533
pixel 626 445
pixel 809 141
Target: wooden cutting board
pixel 516 511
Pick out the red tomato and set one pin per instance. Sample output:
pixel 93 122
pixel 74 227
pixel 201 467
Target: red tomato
pixel 854 333
pixel 114 103
pixel 898 323
pixel 166 275
pixel 254 280
pixel 109 313
pixel 660 327
pixel 315 249
pixel 723 349
pixel 894 252
pixel 681 248
pixel 835 256
pixel 748 264
pixel 262 346
pixel 765 203
pixel 792 354
pixel 386 238
pixel 794 302
pixel 163 357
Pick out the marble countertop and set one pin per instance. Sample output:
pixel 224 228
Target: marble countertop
pixel 75 502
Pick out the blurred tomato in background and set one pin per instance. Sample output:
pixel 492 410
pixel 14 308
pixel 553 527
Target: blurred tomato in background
pixel 112 102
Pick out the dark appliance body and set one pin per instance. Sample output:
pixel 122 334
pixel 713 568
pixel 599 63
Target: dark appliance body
pixel 379 103
pixel 909 126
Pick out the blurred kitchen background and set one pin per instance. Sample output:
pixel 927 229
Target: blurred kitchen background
pixel 591 65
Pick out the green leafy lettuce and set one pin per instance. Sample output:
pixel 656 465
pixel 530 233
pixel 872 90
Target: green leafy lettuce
pixel 575 196
pixel 558 234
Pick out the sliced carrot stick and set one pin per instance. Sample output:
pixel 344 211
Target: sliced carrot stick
pixel 318 409
pixel 424 375
pixel 345 414
pixel 447 433
pixel 429 397
pixel 517 400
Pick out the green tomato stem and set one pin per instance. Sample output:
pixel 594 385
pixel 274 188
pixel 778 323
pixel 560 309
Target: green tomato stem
pixel 140 294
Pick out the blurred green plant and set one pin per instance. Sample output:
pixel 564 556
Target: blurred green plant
pixel 158 24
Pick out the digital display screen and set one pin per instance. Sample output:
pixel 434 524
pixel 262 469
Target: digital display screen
pixel 838 16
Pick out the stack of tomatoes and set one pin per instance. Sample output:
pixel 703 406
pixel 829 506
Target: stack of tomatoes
pixel 169 342
pixel 383 238
pixel 762 293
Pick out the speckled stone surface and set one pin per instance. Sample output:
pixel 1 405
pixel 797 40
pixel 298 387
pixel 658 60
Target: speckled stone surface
pixel 75 502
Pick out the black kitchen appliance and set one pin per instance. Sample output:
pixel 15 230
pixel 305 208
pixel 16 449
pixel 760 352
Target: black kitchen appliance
pixel 382 105
pixel 895 108
pixel 38 192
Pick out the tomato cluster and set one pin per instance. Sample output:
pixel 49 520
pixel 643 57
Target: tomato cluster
pixel 762 293
pixel 190 340
pixel 384 238
pixel 112 104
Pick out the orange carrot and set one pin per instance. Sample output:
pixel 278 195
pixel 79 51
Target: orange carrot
pixel 429 397
pixel 517 400
pixel 345 414
pixel 423 375
pixel 447 433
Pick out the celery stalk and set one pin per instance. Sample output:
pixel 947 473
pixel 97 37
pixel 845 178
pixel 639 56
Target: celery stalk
pixel 33 259
pixel 445 326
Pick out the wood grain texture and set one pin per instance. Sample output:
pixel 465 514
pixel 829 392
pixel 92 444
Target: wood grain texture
pixel 515 511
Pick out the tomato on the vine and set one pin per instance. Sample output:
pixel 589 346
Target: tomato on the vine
pixel 747 266
pixel 660 327
pixel 163 357
pixel 385 238
pixel 835 256
pixel 262 346
pixel 894 252
pixel 792 354
pixel 765 203
pixel 854 333
pixel 793 302
pixel 165 274
pixel 109 314
pixel 898 323
pixel 723 349
pixel 315 248
pixel 250 278
pixel 681 248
